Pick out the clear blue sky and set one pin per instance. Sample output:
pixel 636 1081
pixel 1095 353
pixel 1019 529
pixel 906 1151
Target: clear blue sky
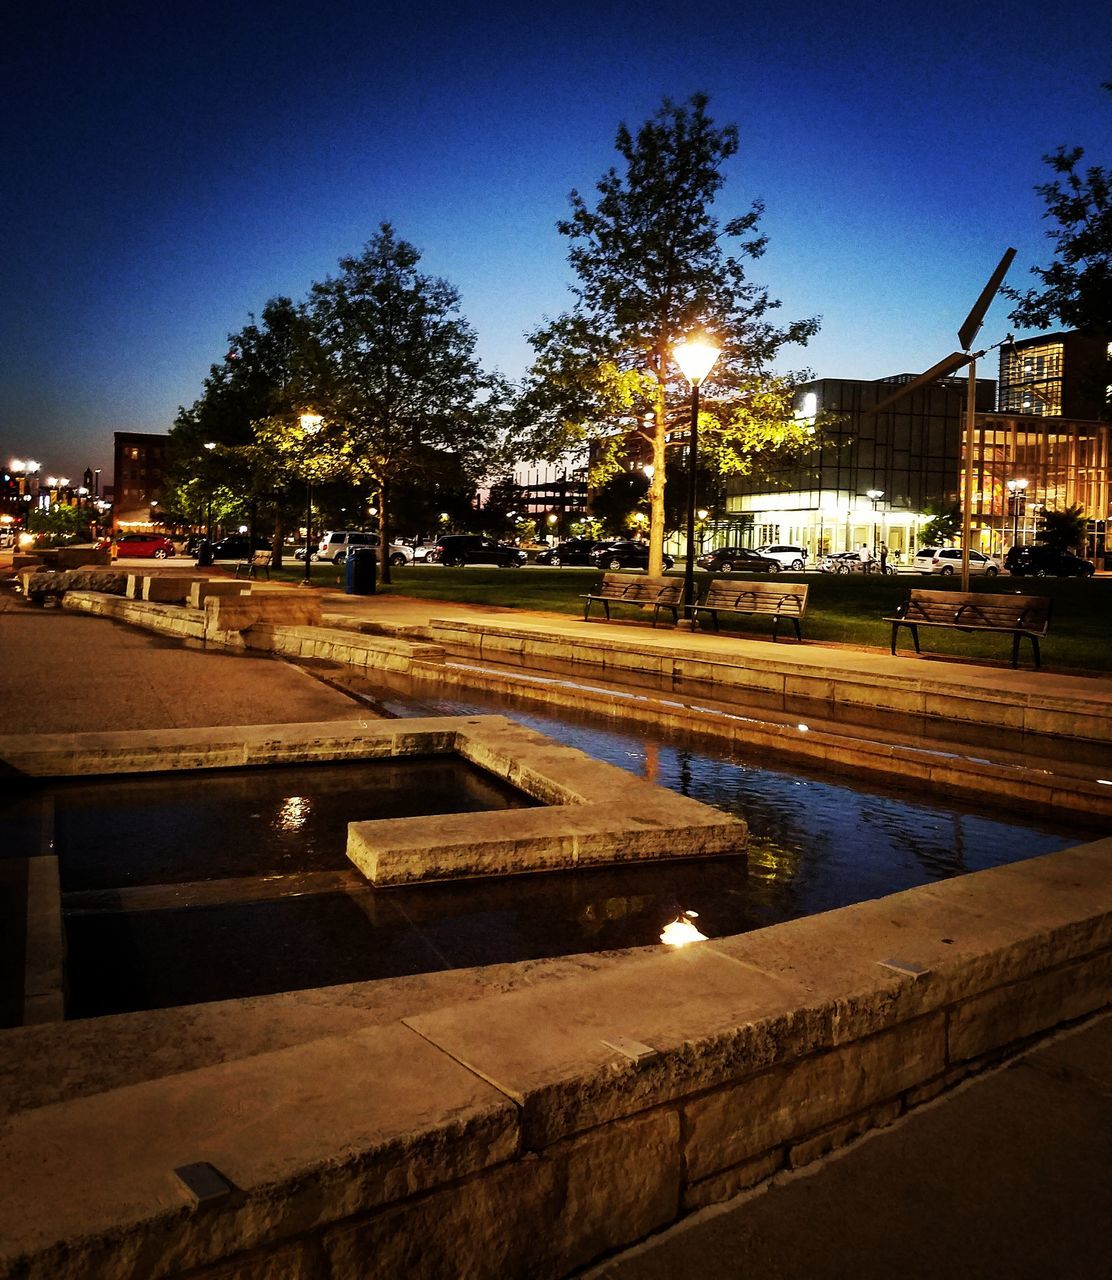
pixel 171 169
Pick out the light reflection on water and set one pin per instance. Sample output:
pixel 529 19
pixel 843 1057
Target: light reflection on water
pixel 814 843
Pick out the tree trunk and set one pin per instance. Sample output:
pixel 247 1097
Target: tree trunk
pixel 384 531
pixel 277 539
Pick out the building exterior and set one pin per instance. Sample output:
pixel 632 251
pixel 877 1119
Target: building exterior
pixel 139 463
pixel 1062 375
pixel 907 458
pixel 874 476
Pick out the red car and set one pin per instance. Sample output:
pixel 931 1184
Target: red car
pixel 142 544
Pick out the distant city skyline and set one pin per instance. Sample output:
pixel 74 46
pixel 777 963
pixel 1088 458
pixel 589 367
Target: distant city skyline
pixel 173 173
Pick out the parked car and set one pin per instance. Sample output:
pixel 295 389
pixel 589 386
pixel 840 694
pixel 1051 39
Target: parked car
pixel 473 548
pixel 335 543
pixel 237 546
pixel 1039 561
pixel 624 554
pixel 846 562
pixel 738 560
pixel 947 560
pixel 790 557
pixel 143 544
pixel 573 551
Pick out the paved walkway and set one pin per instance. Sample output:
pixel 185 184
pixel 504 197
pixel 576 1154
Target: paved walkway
pixel 1008 1178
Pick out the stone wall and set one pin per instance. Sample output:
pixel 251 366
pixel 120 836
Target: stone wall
pixel 534 1128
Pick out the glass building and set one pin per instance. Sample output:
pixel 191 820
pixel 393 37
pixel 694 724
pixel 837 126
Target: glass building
pixel 875 476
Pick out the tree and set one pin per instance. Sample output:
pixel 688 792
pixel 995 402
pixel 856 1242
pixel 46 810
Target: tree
pixel 1076 287
pixel 1063 530
pixel 944 525
pixel 263 378
pixel 651 267
pixel 399 385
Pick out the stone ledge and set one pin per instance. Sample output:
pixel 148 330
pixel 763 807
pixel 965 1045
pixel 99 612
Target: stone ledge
pixel 355 1132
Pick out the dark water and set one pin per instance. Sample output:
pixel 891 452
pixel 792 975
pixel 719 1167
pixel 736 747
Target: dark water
pixel 113 833
pixel 815 844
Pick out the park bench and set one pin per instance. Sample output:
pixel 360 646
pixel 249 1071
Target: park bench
pixel 637 589
pixel 975 611
pixel 260 560
pixel 784 601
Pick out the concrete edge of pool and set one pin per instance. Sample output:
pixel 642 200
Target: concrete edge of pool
pixel 591 813
pixel 527 1121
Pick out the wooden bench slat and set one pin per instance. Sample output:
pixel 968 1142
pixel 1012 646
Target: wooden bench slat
pixel 975 611
pixel 780 600
pixel 258 560
pixel 641 590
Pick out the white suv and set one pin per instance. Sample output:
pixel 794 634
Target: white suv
pixel 335 543
pixel 947 561
pixel 789 557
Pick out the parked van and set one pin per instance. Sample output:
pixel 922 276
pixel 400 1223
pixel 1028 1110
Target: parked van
pixel 335 543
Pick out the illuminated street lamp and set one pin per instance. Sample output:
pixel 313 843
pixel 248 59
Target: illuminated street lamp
pixel 874 496
pixel 310 425
pixel 209 445
pixel 695 357
pixel 1017 493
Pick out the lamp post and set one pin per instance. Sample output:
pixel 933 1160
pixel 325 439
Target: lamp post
pixel 874 495
pixel 1017 493
pixel 310 425
pixel 209 445
pixel 695 357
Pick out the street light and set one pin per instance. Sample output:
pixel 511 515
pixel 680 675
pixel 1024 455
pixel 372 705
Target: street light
pixel 874 495
pixel 695 357
pixel 310 425
pixel 210 445
pixel 1017 491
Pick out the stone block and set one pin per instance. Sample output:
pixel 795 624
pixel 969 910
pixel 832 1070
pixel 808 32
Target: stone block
pixel 167 589
pixel 272 609
pixel 201 588
pixel 709 1020
pixel 134 590
pixel 25 560
pixel 75 557
pixel 303 1260
pixel 542 1216
pixel 840 1135
pixel 107 581
pixel 744 1120
pixel 307 1135
pixel 723 1186
pixel 1008 1014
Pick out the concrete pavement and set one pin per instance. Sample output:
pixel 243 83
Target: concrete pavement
pixel 1007 1178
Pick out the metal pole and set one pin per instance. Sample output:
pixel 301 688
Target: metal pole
pixel 967 494
pixel 692 463
pixel 308 530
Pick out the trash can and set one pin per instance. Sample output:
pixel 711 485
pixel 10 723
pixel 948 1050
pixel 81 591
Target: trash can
pixel 359 571
pixel 204 554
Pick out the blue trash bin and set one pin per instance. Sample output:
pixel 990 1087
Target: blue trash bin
pixel 359 571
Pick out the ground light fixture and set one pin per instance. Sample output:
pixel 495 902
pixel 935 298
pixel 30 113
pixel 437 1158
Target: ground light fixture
pixel 695 356
pixel 310 425
pixel 682 931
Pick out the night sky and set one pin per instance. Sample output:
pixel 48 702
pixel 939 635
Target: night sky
pixel 170 169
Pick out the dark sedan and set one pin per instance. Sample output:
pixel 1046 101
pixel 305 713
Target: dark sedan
pixel 1041 561
pixel 624 554
pixel 573 551
pixel 236 546
pixel 738 560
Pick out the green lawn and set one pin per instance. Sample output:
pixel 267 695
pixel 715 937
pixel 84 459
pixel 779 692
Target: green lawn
pixel 842 609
